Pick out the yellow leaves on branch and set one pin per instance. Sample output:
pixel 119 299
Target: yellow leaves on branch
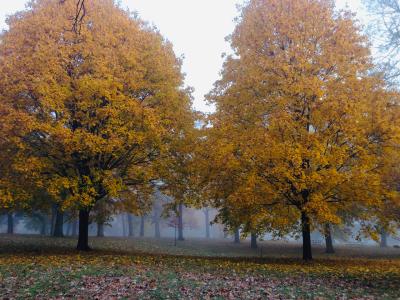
pixel 102 105
pixel 302 115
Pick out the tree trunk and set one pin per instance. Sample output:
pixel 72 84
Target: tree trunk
pixel 180 223
pixel 383 242
pixel 142 226
pixel 156 220
pixel 53 219
pixel 306 231
pixel 254 241
pixel 329 239
pixel 100 229
pixel 207 215
pixel 131 231
pixel 237 236
pixel 48 220
pixel 59 223
pixel 83 238
pixel 123 224
pixel 10 223
pixel 157 232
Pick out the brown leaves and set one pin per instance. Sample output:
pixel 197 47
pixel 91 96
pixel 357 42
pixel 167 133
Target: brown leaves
pixel 118 271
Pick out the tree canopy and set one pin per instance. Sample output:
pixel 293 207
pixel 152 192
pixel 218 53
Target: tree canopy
pixel 100 107
pixel 299 118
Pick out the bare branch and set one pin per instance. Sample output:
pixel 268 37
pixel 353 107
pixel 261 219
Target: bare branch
pixel 80 13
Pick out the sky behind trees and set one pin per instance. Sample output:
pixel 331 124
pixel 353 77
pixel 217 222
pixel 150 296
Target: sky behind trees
pixel 197 30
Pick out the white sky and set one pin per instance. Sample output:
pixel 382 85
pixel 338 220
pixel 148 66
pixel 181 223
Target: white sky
pixel 197 29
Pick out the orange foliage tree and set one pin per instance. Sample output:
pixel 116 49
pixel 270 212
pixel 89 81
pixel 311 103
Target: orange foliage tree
pixel 299 119
pixel 101 106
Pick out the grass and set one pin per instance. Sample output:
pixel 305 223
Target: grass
pixel 43 267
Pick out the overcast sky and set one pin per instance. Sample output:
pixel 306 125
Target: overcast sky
pixel 197 28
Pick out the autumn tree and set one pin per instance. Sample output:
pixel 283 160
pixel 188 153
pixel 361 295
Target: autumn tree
pixel 300 118
pixel 38 221
pixel 102 213
pixel 102 106
pixel 227 178
pixel 160 201
pixel 178 170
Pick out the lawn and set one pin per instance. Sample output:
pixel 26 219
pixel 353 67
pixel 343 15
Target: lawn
pixel 43 268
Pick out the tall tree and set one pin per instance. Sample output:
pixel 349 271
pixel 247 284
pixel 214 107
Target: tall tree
pixel 58 221
pixel 158 201
pixel 131 231
pixel 102 106
pixel 299 118
pixel 236 236
pixel 253 241
pixel 37 220
pixel 329 239
pixel 180 222
pixel 10 223
pixel 102 214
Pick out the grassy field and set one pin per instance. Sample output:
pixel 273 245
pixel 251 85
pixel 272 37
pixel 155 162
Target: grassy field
pixel 43 268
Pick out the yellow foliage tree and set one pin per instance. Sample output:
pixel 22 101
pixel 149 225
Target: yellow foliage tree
pixel 299 117
pixel 102 105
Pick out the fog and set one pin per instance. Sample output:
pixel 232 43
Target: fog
pixel 159 224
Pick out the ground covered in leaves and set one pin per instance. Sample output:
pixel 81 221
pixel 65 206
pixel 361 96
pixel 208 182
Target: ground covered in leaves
pixel 43 268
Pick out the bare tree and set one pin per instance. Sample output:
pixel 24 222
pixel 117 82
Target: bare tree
pixel 384 28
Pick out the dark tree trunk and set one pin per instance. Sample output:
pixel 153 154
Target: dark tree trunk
pixel 237 236
pixel 53 219
pixel 50 224
pixel 156 220
pixel 329 239
pixel 100 230
pixel 253 241
pixel 131 231
pixel 123 224
pixel 207 215
pixel 10 223
pixel 83 238
pixel 383 242
pixel 59 223
pixel 180 223
pixel 306 232
pixel 142 226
